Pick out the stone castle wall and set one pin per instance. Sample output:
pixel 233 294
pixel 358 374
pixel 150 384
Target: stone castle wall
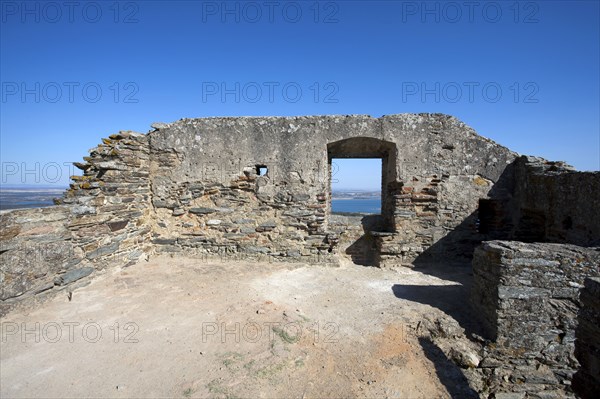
pixel 102 221
pixel 527 295
pixel 209 195
pixel 526 292
pixel 260 189
pixel 196 186
pixel 586 381
pixel 554 203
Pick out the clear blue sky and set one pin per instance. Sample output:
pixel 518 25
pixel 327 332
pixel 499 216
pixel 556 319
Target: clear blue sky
pixel 162 61
pixel 351 173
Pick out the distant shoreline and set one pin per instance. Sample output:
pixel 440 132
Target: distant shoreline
pixel 32 190
pixel 27 187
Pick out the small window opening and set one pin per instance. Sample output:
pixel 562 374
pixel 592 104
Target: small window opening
pixel 261 170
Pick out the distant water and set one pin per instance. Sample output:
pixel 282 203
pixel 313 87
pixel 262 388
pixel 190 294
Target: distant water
pixel 357 205
pixel 15 198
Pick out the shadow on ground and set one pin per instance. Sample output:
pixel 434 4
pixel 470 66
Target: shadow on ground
pixel 453 300
pixel 449 374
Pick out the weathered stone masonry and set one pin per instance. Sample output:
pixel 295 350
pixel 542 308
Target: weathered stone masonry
pixel 103 221
pixel 260 188
pixel 528 293
pixel 586 381
pixel 196 186
pixel 209 196
pixel 528 298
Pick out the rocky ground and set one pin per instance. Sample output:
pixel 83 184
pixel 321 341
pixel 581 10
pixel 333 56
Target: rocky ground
pixel 182 327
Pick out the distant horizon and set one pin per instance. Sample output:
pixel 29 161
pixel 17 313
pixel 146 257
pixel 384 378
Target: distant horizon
pixel 57 187
pixel 34 186
pixel 363 190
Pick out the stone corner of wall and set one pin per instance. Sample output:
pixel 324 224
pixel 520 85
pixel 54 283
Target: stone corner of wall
pixel 528 298
pixel 101 221
pixel 586 382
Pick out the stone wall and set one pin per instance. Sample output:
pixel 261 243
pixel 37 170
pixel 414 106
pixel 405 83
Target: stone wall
pixel 527 295
pixel 35 249
pixel 101 222
pixel 210 197
pixel 554 203
pixel 260 189
pixel 356 240
pixel 528 298
pixel 110 204
pixel 586 381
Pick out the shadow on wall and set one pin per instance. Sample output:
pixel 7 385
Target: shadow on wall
pixel 364 250
pixel 455 248
pixel 449 374
pixel 493 220
pixel 532 201
pixel 450 257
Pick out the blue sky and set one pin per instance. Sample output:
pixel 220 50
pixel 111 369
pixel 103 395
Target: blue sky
pixel 525 74
pixel 352 173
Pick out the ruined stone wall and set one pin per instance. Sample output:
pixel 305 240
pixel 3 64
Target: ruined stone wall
pixel 197 186
pixel 527 295
pixel 357 241
pixel 586 381
pixel 260 189
pixel 111 204
pixel 102 221
pixel 554 203
pixel 210 198
pixel 35 248
pixel 528 298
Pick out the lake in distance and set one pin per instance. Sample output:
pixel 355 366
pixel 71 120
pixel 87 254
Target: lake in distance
pixel 11 198
pixel 371 205
pixel 15 198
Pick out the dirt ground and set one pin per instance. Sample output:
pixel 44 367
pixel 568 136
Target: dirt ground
pixel 182 327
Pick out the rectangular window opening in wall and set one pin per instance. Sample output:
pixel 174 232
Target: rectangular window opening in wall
pixel 261 170
pixel 356 185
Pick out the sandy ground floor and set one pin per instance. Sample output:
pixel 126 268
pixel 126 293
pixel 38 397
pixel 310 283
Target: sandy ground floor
pixel 181 327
